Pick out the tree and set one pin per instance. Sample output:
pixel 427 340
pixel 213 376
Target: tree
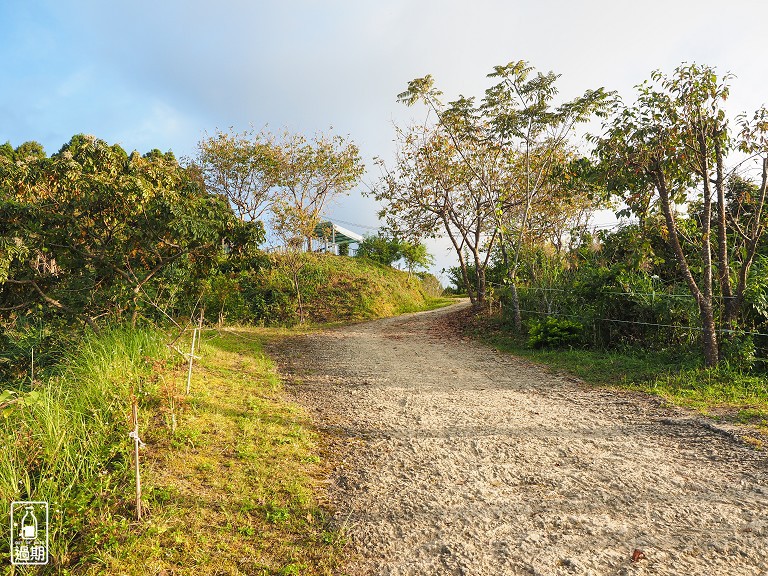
pixel 381 248
pixel 293 225
pixel 242 167
pixel 387 249
pixel 311 173
pixel 415 256
pixel 431 190
pixel 509 145
pixel 674 141
pixel 100 227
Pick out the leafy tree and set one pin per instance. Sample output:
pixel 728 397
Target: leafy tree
pixel 101 227
pixel 499 155
pixel 415 256
pixel 242 167
pixel 674 141
pixel 381 248
pixel 387 249
pixel 311 173
pixel 430 190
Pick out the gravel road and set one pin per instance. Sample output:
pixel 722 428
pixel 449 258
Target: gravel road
pixel 458 459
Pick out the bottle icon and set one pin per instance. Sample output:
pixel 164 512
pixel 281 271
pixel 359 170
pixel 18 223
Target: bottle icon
pixel 29 524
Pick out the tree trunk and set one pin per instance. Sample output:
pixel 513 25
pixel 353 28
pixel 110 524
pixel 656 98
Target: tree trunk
pixel 516 309
pixel 513 285
pixel 462 261
pixel 480 277
pixel 703 299
pixel 708 334
pixel 723 265
pixel 481 287
pixel 705 302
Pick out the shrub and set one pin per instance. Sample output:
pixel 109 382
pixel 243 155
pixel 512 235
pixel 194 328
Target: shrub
pixel 553 332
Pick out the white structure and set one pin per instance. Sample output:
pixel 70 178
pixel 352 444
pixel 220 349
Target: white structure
pixel 329 237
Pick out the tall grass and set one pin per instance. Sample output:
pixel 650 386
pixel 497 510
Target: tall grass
pixel 68 443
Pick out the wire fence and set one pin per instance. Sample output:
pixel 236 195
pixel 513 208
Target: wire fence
pixel 603 313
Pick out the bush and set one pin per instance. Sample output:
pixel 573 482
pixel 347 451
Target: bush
pixel 553 332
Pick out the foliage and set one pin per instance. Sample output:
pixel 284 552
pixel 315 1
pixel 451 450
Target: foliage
pixel 415 256
pixel 673 143
pixel 242 167
pixel 387 249
pixel 380 248
pixel 484 170
pixel 725 392
pixel 341 289
pixel 99 229
pixel 552 332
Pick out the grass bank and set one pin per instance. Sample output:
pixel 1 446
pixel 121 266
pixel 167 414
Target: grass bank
pixel 330 289
pixel 722 393
pixel 230 472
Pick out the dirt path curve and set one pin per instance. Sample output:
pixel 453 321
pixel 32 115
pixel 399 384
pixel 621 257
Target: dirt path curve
pixel 468 461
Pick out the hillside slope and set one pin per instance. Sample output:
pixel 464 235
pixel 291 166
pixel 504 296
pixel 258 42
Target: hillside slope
pixel 332 289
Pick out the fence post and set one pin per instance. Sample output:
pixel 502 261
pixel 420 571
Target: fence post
pixel 191 356
pixel 136 442
pixel 200 329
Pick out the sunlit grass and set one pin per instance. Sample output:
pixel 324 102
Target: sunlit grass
pixel 680 378
pixel 230 472
pixel 234 489
pixel 67 443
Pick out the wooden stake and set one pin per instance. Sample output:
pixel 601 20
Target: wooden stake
pixel 191 356
pixel 136 442
pixel 200 329
pixel 33 366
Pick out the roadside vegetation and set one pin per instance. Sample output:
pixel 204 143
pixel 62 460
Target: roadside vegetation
pixel 108 258
pixel 321 288
pixel 107 261
pixel 506 179
pixel 724 393
pixel 230 473
pixel 672 299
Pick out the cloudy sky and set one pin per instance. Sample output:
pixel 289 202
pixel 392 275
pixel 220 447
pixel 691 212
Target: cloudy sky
pixel 160 74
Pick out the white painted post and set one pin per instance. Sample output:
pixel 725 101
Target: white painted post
pixel 191 356
pixel 136 442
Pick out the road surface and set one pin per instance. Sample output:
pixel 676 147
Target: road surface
pixel 458 459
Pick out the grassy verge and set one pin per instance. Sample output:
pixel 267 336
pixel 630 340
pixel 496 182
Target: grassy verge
pixel 232 490
pixel 230 473
pixel 333 288
pixel 722 393
pixel 64 441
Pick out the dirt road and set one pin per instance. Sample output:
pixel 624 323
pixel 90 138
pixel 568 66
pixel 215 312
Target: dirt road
pixel 463 460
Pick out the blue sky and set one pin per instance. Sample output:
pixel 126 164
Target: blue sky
pixel 160 74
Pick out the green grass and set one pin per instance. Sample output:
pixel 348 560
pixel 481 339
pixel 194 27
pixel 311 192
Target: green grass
pixel 235 488
pixel 723 393
pixel 344 289
pixel 68 445
pixel 230 472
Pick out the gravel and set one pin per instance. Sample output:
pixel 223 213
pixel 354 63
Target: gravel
pixel 453 458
